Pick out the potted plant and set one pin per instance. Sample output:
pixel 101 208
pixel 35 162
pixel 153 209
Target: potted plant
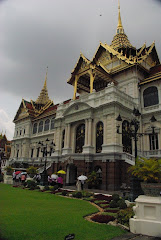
pixel 31 171
pixel 93 180
pixel 149 171
pixel 9 170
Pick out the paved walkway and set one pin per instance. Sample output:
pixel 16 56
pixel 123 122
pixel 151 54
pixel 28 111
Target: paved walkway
pixel 131 236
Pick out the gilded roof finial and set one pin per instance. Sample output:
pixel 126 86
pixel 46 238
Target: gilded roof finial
pixel 120 39
pixel 43 98
pixel 45 83
pixel 119 26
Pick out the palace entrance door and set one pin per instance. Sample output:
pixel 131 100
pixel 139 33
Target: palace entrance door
pixel 71 176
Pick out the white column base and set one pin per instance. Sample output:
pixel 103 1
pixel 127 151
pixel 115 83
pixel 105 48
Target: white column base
pixel 111 148
pixel 88 149
pixel 147 219
pixel 66 151
pixel 8 179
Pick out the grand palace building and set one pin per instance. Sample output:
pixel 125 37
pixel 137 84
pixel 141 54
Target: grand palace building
pixel 93 130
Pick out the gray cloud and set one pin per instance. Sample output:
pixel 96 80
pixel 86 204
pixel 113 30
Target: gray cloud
pixel 40 33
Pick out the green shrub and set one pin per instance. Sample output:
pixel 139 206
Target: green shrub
pixel 113 204
pixel 115 197
pixel 121 204
pixel 1 177
pixel 64 193
pixel 86 194
pixel 9 170
pixel 55 187
pixel 46 188
pixel 77 194
pixel 124 215
pixel 30 183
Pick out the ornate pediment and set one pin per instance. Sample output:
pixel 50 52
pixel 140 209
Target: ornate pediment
pixel 76 108
pixel 105 58
pixel 23 113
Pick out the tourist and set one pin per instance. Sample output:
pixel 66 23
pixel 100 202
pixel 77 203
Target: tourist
pixel 60 182
pixel 23 178
pixel 82 184
pixel 49 180
pixel 78 185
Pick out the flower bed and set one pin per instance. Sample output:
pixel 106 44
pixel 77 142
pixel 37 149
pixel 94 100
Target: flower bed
pixel 111 210
pixel 102 197
pixel 102 218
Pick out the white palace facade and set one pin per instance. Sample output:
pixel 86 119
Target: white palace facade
pixel 118 79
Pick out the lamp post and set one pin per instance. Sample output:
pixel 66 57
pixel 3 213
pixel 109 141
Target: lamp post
pixel 134 125
pixel 44 150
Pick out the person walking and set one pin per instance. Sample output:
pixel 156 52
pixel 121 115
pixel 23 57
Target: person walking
pixel 60 182
pixel 78 185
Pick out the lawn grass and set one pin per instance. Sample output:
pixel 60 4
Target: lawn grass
pixel 32 215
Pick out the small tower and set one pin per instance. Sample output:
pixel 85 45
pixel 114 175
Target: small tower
pixel 120 40
pixel 43 98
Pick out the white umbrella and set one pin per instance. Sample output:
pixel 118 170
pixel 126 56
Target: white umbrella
pixel 23 173
pixel 54 176
pixel 82 178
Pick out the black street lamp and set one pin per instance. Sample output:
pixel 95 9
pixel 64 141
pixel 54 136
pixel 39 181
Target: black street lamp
pixel 44 150
pixel 132 132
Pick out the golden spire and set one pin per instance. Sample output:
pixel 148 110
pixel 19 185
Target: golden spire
pixel 43 98
pixel 120 28
pixel 120 39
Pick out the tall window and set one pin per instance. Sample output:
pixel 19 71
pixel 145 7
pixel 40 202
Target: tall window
pixel 153 140
pixel 17 152
pixel 52 123
pixel 32 151
pixel 35 128
pixel 126 138
pixel 63 137
pixel 47 122
pixel 38 150
pixel 40 126
pixel 150 96
pixel 80 136
pixel 99 137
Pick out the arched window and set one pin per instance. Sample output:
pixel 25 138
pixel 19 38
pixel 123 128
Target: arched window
pixel 35 128
pixel 126 138
pixel 40 126
pixel 80 136
pixel 99 137
pixel 52 123
pixel 63 137
pixel 46 127
pixel 150 96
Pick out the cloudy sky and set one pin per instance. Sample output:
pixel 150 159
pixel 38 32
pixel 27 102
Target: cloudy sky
pixel 35 34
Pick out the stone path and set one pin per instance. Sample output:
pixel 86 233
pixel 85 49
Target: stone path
pixel 131 236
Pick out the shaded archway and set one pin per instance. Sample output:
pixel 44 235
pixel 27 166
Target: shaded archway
pixel 126 137
pixel 71 174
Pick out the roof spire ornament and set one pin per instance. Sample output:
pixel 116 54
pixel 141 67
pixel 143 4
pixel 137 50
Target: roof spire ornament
pixel 120 40
pixel 43 98
pixel 120 28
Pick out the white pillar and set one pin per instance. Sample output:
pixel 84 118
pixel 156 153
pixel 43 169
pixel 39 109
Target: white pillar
pixel 105 130
pixel 68 135
pixel 89 132
pixel 86 132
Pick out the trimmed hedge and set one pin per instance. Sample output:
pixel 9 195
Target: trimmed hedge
pixel 102 218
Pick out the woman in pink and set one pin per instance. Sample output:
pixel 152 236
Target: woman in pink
pixel 60 181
